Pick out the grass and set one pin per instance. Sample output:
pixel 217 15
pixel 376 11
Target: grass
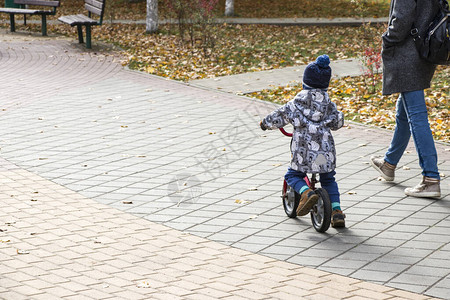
pixel 238 49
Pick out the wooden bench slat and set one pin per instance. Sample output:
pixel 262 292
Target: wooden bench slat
pixel 38 2
pixel 24 11
pixel 93 9
pixel 95 3
pixel 77 20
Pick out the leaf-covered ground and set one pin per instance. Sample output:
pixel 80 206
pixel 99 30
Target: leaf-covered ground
pixel 238 48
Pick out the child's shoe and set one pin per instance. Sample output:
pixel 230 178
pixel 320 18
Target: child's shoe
pixel 387 171
pixel 337 218
pixel 307 200
pixel 428 187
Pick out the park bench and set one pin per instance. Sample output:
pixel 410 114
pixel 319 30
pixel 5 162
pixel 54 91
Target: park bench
pixel 21 7
pixel 94 7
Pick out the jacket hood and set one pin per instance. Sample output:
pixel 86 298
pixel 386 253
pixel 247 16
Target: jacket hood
pixel 313 103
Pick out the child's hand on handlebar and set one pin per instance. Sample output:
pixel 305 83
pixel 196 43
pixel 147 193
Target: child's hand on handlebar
pixel 262 126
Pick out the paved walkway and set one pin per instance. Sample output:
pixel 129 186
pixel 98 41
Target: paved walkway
pixel 117 184
pixel 266 21
pixel 257 81
pixel 284 21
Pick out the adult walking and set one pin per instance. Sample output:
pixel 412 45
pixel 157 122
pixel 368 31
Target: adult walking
pixel 405 72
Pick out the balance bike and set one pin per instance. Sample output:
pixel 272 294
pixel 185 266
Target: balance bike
pixel 321 211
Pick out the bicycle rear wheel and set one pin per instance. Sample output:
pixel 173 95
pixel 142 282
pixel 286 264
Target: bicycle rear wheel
pixel 291 199
pixel 321 212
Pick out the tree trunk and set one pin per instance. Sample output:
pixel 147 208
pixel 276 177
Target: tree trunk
pixel 229 8
pixel 151 21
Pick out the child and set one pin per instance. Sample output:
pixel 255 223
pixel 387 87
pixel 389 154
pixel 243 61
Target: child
pixel 313 115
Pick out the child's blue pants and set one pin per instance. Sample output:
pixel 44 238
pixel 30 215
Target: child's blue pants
pixel 327 181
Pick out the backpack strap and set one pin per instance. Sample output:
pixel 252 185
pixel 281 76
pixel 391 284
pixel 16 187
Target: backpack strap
pixel 443 5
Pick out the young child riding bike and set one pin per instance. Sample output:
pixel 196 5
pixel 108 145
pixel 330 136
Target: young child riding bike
pixel 313 116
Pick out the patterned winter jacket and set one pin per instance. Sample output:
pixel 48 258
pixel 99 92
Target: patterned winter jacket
pixel 313 115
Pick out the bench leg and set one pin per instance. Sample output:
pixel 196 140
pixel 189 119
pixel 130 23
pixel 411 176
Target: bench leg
pixel 12 22
pixel 44 25
pixel 80 34
pixel 88 36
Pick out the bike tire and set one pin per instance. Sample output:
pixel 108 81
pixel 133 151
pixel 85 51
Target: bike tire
pixel 291 199
pixel 321 212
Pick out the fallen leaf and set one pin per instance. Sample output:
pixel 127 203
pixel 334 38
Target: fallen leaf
pixel 143 284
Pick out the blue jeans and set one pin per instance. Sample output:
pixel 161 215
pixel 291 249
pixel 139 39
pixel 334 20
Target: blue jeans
pixel 412 118
pixel 327 181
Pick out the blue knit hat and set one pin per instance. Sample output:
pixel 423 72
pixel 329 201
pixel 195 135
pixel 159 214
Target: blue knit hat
pixel 318 74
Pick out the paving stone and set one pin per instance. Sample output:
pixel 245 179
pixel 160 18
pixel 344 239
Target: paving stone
pixel 439 292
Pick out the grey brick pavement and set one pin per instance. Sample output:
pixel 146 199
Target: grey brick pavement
pixel 195 160
pixel 253 82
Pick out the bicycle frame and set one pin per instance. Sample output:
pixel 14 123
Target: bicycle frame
pixel 310 182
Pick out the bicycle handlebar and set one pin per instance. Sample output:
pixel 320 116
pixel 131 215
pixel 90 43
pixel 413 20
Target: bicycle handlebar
pixel 285 132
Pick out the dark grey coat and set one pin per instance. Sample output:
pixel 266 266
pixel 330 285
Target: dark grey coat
pixel 403 69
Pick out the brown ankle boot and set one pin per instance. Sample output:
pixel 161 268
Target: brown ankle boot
pixel 307 201
pixel 337 218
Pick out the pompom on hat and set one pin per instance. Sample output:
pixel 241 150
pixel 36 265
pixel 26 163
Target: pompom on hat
pixel 318 74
